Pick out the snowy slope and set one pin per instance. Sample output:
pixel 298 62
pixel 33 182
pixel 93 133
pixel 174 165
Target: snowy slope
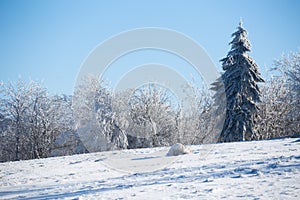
pixel 252 170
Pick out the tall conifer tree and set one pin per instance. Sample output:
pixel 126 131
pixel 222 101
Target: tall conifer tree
pixel 242 93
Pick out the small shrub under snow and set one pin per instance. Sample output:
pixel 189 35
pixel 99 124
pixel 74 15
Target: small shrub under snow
pixel 178 149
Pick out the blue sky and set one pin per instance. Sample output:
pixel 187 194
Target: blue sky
pixel 49 40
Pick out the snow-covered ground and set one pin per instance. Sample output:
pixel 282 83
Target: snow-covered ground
pixel 251 170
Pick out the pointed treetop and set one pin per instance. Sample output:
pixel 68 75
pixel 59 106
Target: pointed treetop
pixel 241 22
pixel 240 43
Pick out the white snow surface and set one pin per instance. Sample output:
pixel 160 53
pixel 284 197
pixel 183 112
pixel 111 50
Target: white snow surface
pixel 244 170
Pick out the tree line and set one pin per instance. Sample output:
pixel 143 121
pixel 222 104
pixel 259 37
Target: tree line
pixel 35 124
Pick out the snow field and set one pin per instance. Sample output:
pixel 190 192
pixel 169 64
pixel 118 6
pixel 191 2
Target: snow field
pixel 249 170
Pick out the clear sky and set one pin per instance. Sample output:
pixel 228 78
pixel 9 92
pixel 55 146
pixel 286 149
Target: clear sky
pixel 49 40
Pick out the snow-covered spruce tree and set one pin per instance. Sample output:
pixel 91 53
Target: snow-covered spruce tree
pixel 242 93
pixel 219 106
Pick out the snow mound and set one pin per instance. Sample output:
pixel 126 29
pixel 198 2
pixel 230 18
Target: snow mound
pixel 178 149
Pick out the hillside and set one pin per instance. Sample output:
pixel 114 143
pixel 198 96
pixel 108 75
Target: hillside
pixel 252 170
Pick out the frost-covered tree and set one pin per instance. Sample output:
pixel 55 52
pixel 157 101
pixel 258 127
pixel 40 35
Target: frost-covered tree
pixel 242 93
pixel 196 122
pixel 153 115
pixel 96 121
pixel 108 119
pixel 30 120
pixel 15 104
pixel 55 117
pixel 289 66
pixel 61 124
pixel 273 110
pixel 37 116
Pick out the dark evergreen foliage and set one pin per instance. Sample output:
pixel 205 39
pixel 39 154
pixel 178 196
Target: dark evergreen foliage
pixel 242 93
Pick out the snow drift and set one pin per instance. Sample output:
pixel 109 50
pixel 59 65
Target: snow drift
pixel 178 149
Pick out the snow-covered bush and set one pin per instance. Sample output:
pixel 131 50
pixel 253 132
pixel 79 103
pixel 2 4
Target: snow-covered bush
pixel 178 149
